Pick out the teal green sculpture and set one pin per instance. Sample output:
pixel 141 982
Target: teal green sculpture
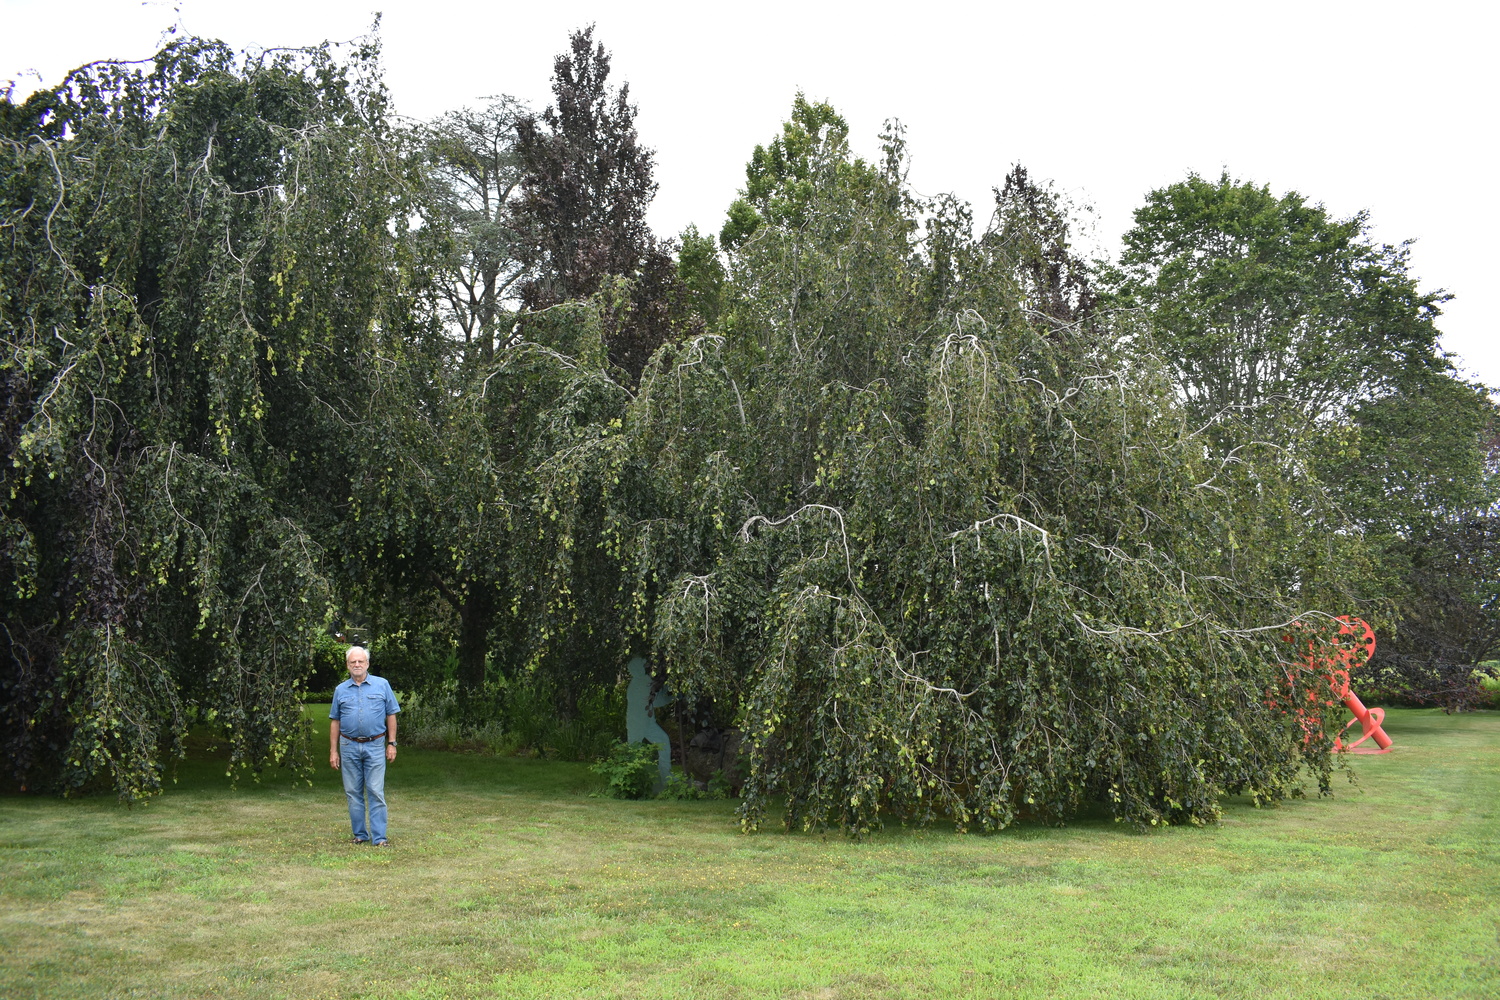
pixel 640 718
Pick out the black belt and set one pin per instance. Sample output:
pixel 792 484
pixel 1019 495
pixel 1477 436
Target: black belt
pixel 363 739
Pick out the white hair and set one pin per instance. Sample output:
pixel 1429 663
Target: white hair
pixel 356 649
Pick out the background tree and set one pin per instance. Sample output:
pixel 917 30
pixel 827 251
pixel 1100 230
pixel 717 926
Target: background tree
pixel 1308 350
pixel 780 177
pixel 700 275
pixel 1031 229
pixel 457 492
pixel 1269 309
pixel 474 170
pixel 583 202
pixel 1418 470
pixel 1451 615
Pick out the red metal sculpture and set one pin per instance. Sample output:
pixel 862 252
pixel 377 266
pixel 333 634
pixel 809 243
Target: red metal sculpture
pixel 1331 657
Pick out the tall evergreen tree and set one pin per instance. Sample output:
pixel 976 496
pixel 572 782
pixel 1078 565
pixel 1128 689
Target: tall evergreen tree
pixel 583 205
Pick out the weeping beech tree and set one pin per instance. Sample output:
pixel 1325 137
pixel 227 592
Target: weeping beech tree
pixel 201 259
pixel 477 478
pixel 949 556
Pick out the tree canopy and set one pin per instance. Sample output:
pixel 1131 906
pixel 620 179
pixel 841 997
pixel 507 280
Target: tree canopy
pixel 938 557
pixel 200 254
pixel 1269 309
pixel 1292 331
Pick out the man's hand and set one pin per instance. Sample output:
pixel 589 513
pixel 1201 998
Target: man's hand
pixel 333 760
pixel 390 752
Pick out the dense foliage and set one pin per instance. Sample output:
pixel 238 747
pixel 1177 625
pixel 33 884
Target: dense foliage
pixel 942 557
pixel 629 770
pixel 1290 330
pixel 198 257
pixel 947 524
pixel 1269 310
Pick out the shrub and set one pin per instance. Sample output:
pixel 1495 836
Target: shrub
pixel 1488 677
pixel 434 720
pixel 719 786
pixel 630 770
pixel 680 788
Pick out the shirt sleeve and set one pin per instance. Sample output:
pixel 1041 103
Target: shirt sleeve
pixel 391 708
pixel 333 708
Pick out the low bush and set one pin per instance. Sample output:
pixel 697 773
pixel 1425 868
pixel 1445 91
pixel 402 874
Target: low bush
pixel 630 769
pixel 680 788
pixel 719 786
pixel 1488 678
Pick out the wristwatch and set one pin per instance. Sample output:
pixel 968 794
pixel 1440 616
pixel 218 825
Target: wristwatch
pixel 390 743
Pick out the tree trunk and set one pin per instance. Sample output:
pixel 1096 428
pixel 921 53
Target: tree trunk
pixel 476 614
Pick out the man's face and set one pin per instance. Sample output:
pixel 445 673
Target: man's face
pixel 359 666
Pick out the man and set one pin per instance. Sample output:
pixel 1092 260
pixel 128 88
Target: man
pixel 361 740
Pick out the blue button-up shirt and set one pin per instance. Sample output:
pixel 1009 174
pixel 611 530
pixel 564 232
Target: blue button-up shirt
pixel 361 709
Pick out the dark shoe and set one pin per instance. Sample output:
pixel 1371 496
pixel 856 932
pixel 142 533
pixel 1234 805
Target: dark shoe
pixel 382 843
pixel 359 840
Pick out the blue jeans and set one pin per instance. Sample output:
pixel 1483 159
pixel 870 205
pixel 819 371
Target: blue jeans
pixel 363 768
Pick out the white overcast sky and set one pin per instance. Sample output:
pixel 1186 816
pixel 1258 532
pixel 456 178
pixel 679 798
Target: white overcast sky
pixel 1388 107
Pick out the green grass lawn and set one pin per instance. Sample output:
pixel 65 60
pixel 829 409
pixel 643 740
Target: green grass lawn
pixel 508 880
